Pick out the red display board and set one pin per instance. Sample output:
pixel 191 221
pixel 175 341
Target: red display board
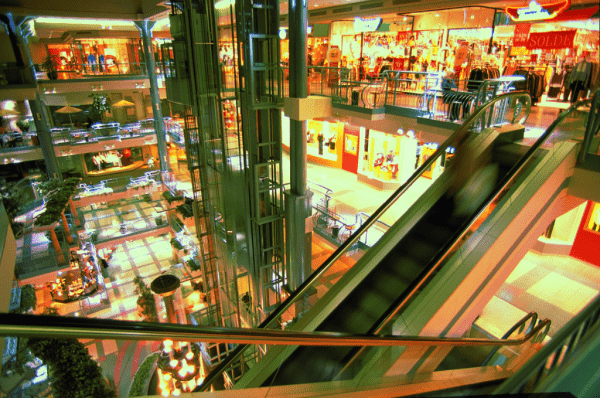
pixel 351 148
pixel 550 40
pixel 586 246
pixel 521 34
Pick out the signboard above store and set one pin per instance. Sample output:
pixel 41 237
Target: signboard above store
pixel 366 24
pixel 536 11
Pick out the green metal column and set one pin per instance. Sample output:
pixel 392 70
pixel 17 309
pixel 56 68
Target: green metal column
pixel 145 28
pixel 18 25
pixel 298 199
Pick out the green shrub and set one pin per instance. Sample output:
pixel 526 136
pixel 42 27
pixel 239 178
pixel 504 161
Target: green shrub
pixel 141 377
pixel 176 244
pixel 73 372
pixel 28 298
pixel 63 190
pixel 146 301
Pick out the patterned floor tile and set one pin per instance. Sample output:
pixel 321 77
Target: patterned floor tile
pixel 563 292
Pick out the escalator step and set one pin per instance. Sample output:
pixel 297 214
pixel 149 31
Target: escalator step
pixel 419 249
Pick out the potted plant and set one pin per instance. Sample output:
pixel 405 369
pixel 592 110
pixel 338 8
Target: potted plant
pixel 48 67
pixel 23 125
pixel 101 105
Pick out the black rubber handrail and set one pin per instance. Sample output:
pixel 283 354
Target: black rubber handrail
pixel 44 326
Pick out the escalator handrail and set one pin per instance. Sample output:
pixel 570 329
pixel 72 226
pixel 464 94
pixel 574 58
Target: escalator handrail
pixel 348 243
pixel 578 327
pixel 532 315
pixel 592 125
pixel 45 326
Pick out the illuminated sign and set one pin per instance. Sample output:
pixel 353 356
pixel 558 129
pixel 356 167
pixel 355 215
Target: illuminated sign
pixel 367 25
pixel 537 11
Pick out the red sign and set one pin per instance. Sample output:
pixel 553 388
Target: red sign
pixel 398 64
pixel 402 37
pixel 548 40
pixel 521 34
pixel 536 11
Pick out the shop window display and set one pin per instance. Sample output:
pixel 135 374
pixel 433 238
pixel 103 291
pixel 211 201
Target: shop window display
pixel 112 160
pixel 389 157
pixel 322 138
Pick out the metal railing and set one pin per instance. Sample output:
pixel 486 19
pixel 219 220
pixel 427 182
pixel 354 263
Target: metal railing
pixel 20 325
pixel 108 131
pixel 92 70
pixel 143 184
pixel 17 141
pixel 281 315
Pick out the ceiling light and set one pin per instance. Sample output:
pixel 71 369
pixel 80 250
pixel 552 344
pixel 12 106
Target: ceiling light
pixel 83 21
pixel 437 14
pixel 404 19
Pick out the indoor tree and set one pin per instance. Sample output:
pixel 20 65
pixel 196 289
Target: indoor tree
pixel 100 105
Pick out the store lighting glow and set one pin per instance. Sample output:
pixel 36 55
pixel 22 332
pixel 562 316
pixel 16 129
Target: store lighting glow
pixel 83 21
pixel 224 4
pixel 536 11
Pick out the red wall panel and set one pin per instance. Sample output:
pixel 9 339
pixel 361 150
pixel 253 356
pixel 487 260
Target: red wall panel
pixel 586 246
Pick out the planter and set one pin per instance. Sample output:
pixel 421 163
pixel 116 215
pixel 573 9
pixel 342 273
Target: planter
pixel 185 210
pixel 175 243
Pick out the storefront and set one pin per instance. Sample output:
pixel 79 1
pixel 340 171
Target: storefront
pixel 79 281
pixel 549 50
pixel 323 139
pixel 387 160
pixel 97 56
pixel 119 160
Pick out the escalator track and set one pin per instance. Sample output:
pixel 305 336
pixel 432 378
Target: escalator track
pixel 395 275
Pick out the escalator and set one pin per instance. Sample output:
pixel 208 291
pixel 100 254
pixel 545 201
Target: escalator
pixel 398 273
pixel 394 276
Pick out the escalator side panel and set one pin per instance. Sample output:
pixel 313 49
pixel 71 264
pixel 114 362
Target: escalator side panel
pixel 449 305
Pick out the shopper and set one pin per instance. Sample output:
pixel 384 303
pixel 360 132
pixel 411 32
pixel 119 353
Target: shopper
pixel 150 162
pixel 448 89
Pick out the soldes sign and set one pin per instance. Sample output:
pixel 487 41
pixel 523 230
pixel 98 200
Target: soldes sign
pixel 549 40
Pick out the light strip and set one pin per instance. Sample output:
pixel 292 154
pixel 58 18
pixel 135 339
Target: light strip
pixel 82 21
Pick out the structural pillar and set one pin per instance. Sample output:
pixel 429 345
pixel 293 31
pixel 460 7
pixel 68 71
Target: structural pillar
pixel 74 212
pixel 56 245
pixel 16 25
pixel 145 28
pixel 66 228
pixel 298 199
